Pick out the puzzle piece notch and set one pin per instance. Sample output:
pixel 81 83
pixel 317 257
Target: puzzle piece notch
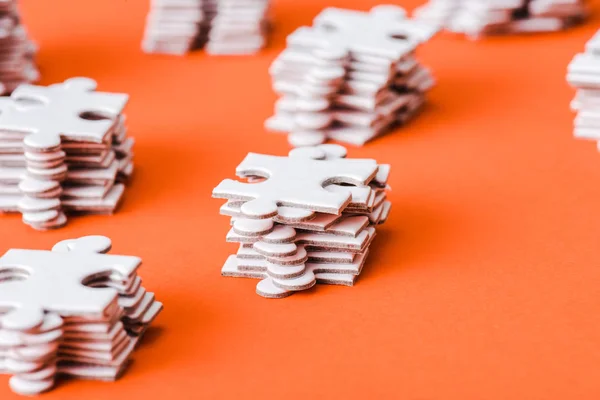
pixel 55 281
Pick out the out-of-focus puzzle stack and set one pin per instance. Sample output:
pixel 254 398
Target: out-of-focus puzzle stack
pixel 63 149
pixel 302 219
pixel 17 51
pixel 72 311
pixel 476 18
pixel 173 26
pixel 584 75
pixel 221 26
pixel 352 76
pixel 238 26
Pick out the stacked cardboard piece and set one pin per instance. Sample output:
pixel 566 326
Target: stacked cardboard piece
pixel 238 26
pixel 16 50
pixel 222 26
pixel 302 219
pixel 67 154
pixel 351 77
pixel 481 17
pixel 60 324
pixel 584 75
pixel 173 26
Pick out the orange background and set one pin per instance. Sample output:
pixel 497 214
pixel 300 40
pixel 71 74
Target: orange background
pixel 484 283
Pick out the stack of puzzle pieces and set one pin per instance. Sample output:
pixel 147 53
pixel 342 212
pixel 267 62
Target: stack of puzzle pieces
pixel 303 219
pixel 16 50
pixel 72 311
pixel 63 149
pixel 222 26
pixel 584 74
pixel 352 76
pixel 173 26
pixel 482 17
pixel 237 26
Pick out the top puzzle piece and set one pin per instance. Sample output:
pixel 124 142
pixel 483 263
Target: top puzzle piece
pixel 294 182
pixel 37 281
pixel 387 19
pixel 71 109
pixel 383 32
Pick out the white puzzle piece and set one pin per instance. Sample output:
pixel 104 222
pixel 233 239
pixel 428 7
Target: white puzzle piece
pixel 60 114
pixel 74 310
pixel 62 271
pixel 478 18
pixel 230 27
pixel 584 74
pixel 351 77
pixel 66 134
pixel 292 254
pixel 293 182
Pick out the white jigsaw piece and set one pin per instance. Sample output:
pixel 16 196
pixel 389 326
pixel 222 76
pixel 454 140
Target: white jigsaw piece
pixel 382 32
pixel 71 109
pixel 294 181
pixel 37 281
pixel 383 20
pixel 270 247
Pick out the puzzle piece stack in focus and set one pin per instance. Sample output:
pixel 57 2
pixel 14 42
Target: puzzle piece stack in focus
pixel 302 219
pixel 71 311
pixel 16 50
pixel 584 75
pixel 352 76
pixel 63 148
pixel 476 18
pixel 222 26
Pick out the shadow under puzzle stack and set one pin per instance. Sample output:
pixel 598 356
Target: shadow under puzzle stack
pixel 302 219
pixel 71 311
pixel 16 50
pixel 351 77
pixel 221 26
pixel 584 74
pixel 480 17
pixel 67 154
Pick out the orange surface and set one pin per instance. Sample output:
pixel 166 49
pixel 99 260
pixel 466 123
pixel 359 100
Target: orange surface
pixel 484 284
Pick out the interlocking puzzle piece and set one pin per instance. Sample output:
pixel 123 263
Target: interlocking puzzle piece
pixel 71 109
pixel 53 281
pixel 381 32
pixel 387 19
pixel 293 181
